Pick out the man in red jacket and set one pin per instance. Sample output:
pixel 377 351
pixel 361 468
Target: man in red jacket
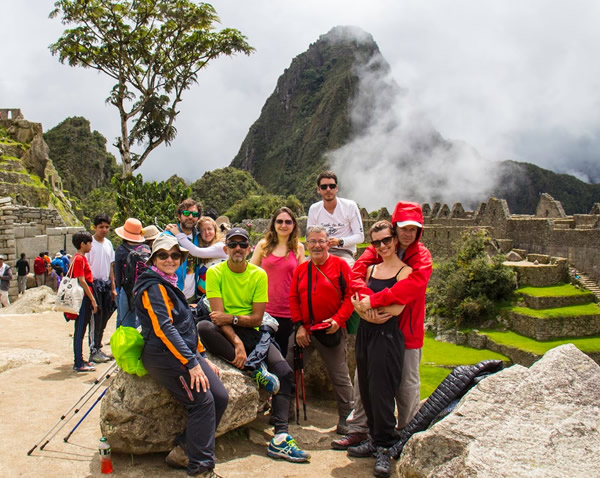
pixel 408 219
pixel 39 269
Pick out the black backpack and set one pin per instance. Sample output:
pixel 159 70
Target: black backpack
pixel 135 265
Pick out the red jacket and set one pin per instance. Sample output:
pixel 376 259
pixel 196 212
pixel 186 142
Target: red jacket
pixel 327 300
pixel 410 291
pixel 39 266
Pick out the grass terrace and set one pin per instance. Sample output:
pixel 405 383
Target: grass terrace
pixel 512 339
pixel 439 358
pixel 561 290
pixel 570 311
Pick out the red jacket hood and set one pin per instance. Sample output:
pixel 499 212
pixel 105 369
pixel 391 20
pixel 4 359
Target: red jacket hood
pixel 408 211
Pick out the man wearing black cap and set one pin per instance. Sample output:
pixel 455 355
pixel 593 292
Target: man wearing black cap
pixel 238 293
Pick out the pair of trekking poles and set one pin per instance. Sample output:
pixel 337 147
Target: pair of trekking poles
pixel 299 373
pixel 75 408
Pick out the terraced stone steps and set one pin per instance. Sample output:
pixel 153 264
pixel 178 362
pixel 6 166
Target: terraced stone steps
pixel 525 322
pixel 589 284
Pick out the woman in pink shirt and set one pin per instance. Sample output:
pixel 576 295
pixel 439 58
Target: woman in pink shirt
pixel 279 253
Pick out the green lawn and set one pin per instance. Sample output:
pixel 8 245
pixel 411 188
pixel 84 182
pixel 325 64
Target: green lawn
pixel 585 344
pixel 562 290
pixel 570 311
pixel 439 358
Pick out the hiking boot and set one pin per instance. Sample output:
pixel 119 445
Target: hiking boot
pixel 86 367
pixel 288 450
pixel 351 439
pixel 105 355
pixel 383 463
pixel 204 473
pixel 177 458
pixel 342 426
pixel 98 357
pixel 366 449
pixel 266 379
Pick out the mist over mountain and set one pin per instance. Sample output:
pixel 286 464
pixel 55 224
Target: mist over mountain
pixel 337 105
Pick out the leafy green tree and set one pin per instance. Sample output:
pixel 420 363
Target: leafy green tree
pixel 465 289
pixel 153 49
pixel 150 202
pixel 262 206
pixel 100 200
pixel 222 188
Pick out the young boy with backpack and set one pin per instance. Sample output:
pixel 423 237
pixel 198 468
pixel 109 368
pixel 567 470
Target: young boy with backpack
pixel 130 262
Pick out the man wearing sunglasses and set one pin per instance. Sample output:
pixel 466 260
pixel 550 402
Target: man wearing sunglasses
pixel 188 213
pixel 410 292
pixel 238 294
pixel 339 216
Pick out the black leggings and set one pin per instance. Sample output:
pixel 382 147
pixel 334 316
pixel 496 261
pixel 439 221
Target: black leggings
pixel 216 343
pixel 205 409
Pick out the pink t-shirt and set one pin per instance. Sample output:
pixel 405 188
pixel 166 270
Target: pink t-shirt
pixel 280 271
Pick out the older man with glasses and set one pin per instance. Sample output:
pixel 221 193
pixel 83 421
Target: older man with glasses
pixel 238 293
pixel 339 216
pixel 320 305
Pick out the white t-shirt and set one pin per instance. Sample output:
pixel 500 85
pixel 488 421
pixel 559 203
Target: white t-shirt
pixel 345 222
pixel 100 258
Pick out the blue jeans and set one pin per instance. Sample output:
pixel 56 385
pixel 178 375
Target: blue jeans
pixel 126 317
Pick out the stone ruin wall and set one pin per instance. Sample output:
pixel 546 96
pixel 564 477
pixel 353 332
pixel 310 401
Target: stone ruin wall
pixel 549 231
pixel 31 230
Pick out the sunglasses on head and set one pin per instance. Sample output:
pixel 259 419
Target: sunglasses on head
pixel 187 213
pixel 163 256
pixel 234 244
pixel 324 187
pixel 386 240
pixel 287 222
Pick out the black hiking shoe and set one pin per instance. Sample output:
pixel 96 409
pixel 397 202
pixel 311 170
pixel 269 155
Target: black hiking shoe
pixel 366 449
pixel 383 463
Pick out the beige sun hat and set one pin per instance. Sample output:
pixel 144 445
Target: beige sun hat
pixel 131 230
pixel 165 242
pixel 151 232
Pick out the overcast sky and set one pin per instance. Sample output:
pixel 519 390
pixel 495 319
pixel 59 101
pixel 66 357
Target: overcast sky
pixel 515 79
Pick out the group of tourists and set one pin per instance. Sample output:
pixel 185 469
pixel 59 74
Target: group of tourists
pixel 282 299
pixel 194 288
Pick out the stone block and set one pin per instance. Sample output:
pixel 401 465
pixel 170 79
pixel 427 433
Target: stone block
pixel 55 231
pixel 55 244
pixel 139 416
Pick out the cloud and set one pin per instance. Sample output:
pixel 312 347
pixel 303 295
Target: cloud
pixel 398 155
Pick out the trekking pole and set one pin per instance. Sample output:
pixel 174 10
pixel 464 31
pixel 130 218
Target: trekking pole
pixel 296 373
pixel 66 439
pixel 62 420
pixel 301 366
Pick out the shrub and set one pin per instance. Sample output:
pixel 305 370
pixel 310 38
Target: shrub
pixel 465 289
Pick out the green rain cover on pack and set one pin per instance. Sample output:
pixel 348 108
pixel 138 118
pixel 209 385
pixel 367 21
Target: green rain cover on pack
pixel 126 345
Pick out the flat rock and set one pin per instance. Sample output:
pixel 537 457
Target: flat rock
pixel 538 422
pixel 14 358
pixel 139 416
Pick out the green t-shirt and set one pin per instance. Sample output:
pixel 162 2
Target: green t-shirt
pixel 238 291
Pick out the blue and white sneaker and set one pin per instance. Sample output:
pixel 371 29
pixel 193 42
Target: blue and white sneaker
pixel 266 379
pixel 288 450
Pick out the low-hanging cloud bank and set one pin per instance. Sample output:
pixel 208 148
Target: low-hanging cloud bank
pixel 398 155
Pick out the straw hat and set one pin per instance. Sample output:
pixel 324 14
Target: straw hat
pixel 131 231
pixel 151 232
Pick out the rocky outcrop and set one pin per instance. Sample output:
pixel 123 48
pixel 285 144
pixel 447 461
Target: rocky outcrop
pixel 536 422
pixel 139 416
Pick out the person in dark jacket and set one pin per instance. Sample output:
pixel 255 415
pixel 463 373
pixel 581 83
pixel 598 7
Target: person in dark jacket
pixel 22 271
pixel 173 357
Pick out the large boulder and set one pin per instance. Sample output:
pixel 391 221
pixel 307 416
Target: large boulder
pixel 139 416
pixel 536 422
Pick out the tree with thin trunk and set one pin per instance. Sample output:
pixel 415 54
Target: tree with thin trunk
pixel 154 50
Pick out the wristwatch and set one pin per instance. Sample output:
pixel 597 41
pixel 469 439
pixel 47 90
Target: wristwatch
pixel 340 243
pixel 235 320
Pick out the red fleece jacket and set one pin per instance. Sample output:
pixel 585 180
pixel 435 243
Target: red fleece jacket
pixel 410 291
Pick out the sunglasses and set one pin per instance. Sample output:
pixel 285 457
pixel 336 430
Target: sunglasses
pixel 163 256
pixel 287 222
pixel 233 245
pixel 323 187
pixel 187 213
pixel 386 241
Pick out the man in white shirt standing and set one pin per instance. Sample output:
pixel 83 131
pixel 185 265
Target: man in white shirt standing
pixel 339 216
pixel 101 258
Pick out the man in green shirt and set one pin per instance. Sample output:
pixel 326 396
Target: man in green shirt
pixel 238 293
